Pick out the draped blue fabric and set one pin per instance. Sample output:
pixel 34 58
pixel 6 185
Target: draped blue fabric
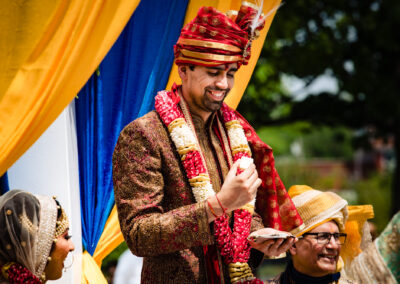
pixel 123 88
pixel 4 183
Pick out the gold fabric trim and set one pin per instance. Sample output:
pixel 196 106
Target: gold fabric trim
pixel 225 142
pixel 296 231
pixel 233 124
pixel 186 149
pixel 200 178
pixel 198 184
pixel 317 205
pixel 209 56
pixel 249 207
pixel 208 63
pixel 62 225
pixel 304 230
pixel 175 123
pixel 236 150
pixel 186 114
pixel 210 44
pixel 241 147
pixel 360 212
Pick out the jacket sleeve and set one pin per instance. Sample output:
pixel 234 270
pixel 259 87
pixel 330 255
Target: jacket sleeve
pixel 149 228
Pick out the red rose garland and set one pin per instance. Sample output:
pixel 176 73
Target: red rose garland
pixel 17 274
pixel 233 245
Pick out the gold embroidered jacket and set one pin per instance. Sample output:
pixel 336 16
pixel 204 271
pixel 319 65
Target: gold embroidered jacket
pixel 159 218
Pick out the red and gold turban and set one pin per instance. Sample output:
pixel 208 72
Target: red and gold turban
pixel 213 38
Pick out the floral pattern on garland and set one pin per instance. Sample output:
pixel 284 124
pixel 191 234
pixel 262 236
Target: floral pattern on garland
pixel 233 245
pixel 17 274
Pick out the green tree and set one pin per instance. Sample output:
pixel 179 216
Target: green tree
pixel 354 41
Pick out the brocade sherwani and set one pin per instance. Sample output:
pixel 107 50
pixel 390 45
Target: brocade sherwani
pixel 159 217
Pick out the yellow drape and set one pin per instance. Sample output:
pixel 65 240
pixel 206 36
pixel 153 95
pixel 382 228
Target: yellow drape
pixel 20 33
pixel 91 272
pixel 243 75
pixel 109 240
pixel 46 68
pixel 358 215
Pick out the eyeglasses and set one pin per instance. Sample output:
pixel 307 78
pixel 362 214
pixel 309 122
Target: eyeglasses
pixel 325 238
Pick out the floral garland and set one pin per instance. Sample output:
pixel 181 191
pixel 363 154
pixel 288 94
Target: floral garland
pixel 15 273
pixel 234 246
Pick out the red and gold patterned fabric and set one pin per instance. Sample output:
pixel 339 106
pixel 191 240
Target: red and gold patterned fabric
pixel 159 217
pixel 213 38
pixel 272 195
pixel 157 211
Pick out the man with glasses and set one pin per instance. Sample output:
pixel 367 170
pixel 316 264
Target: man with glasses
pixel 323 242
pixel 316 254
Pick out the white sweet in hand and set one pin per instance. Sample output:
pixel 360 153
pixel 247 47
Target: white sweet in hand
pixel 245 162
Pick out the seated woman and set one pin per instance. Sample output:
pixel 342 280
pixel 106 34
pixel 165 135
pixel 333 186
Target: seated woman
pixel 34 240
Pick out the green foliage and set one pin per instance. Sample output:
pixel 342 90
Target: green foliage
pixel 281 137
pixel 269 268
pixel 295 172
pixel 266 97
pixel 321 142
pixel 112 259
pixel 328 142
pixel 356 42
pixel 376 191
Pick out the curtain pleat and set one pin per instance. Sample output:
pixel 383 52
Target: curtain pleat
pixel 109 241
pixel 91 272
pixel 122 89
pixel 68 42
pixel 21 28
pixel 4 187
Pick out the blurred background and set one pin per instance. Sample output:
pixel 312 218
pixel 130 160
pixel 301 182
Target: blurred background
pixel 325 97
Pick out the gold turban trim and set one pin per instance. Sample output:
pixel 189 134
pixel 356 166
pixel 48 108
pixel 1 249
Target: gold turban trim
pixel 317 207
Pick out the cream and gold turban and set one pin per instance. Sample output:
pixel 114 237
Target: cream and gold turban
pixel 318 207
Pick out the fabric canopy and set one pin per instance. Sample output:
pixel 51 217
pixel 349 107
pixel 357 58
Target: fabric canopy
pixel 135 68
pixel 48 51
pixel 123 88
